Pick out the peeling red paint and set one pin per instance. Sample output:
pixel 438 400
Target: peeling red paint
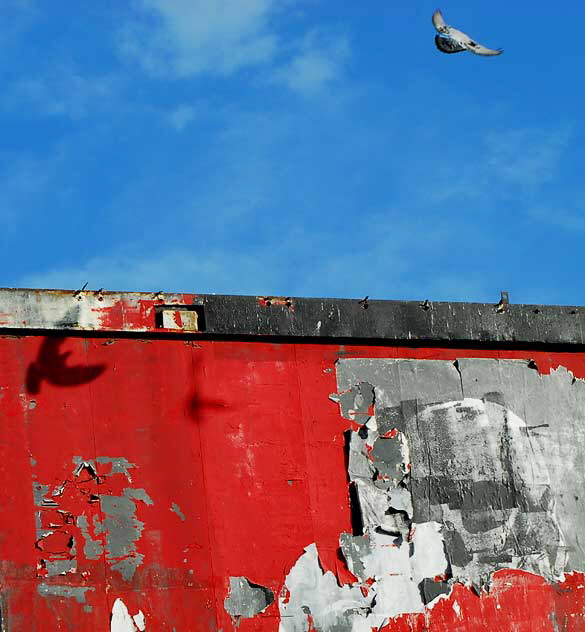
pixel 517 601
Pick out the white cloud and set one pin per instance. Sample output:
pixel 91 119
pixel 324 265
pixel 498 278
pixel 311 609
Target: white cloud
pixel 511 164
pixel 319 61
pixel 258 273
pixel 182 116
pixel 188 38
pixel 170 270
pixel 184 38
pixel 62 91
pixel 526 157
pixel 566 216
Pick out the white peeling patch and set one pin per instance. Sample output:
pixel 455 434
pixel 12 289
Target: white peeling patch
pixel 313 597
pixel 392 572
pixel 429 558
pixel 122 621
pixel 140 621
pixel 401 500
pixel 398 569
pixel 395 596
pixel 405 451
pixel 457 609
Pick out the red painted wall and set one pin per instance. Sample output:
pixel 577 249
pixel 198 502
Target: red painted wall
pixel 241 437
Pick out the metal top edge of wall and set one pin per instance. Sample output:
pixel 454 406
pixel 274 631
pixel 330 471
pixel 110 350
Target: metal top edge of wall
pixel 269 316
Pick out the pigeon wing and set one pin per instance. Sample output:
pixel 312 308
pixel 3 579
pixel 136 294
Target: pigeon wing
pixel 478 49
pixel 446 45
pixel 462 39
pixel 439 22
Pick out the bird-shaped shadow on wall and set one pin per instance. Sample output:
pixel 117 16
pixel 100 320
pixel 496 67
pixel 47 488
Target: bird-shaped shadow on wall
pixel 51 365
pixel 199 406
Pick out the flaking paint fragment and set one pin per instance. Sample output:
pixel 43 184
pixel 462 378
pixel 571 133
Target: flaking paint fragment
pixel 356 401
pixel 81 466
pixel 58 550
pixel 123 530
pixel 117 534
pixel 69 592
pixel 176 509
pixel 246 599
pixel 92 549
pixel 120 465
pixel 39 495
pixel 60 567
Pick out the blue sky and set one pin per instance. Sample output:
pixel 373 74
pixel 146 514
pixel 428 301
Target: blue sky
pixel 293 147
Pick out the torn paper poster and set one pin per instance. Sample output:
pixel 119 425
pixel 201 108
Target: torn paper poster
pixel 389 574
pixel 455 475
pixel 476 466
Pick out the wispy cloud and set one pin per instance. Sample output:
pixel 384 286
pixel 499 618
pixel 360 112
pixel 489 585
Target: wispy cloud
pixel 189 38
pixel 508 164
pixel 383 270
pixel 566 216
pixel 184 38
pixel 62 91
pixel 181 116
pixel 526 157
pixel 318 62
pixel 168 270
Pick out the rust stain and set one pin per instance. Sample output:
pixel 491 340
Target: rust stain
pixel 276 301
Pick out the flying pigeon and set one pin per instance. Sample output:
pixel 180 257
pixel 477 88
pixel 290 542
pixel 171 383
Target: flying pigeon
pixel 450 40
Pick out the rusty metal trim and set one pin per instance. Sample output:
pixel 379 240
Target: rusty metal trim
pixel 299 318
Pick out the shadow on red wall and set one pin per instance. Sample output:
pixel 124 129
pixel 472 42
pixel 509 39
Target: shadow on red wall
pixel 51 366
